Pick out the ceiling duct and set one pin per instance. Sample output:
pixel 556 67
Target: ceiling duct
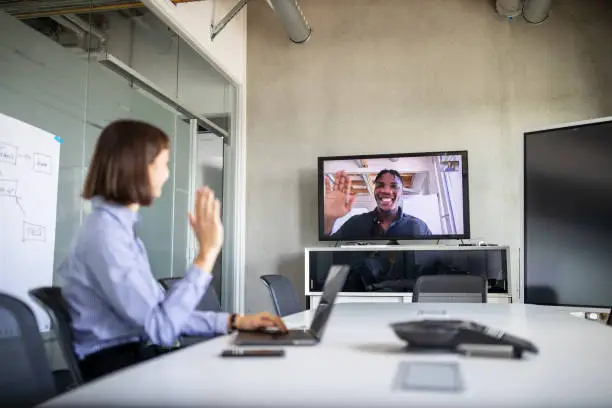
pixel 292 19
pixel 536 11
pixel 509 8
pixel 288 12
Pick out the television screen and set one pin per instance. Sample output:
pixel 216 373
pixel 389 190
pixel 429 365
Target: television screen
pixel 567 216
pixel 394 197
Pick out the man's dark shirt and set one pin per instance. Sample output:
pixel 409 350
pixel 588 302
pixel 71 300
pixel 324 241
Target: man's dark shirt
pixel 364 226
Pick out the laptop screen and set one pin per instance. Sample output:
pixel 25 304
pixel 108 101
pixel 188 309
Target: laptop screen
pixel 333 284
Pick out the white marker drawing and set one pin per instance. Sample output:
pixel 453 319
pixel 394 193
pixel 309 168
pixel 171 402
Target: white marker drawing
pixel 42 163
pixel 33 232
pixel 8 153
pixel 8 188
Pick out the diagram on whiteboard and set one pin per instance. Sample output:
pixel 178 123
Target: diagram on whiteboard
pixel 9 188
pixel 29 168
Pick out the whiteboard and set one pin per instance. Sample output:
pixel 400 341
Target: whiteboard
pixel 29 164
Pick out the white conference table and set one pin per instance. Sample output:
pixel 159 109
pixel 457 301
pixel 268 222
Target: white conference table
pixel 356 363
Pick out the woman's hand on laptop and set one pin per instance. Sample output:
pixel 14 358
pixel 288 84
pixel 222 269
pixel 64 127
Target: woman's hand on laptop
pixel 259 321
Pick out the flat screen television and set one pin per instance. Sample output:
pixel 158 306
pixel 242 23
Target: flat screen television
pixel 392 197
pixel 568 215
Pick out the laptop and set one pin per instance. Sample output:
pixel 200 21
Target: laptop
pixel 305 337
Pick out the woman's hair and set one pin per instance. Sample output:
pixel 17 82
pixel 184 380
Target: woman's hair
pixel 119 171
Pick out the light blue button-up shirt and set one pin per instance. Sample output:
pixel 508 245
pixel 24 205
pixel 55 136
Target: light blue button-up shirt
pixel 112 295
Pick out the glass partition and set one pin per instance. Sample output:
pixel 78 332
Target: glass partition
pixel 51 77
pixel 155 228
pixel 182 172
pixel 44 84
pixel 209 172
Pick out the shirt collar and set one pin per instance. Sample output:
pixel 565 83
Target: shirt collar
pixel 121 212
pixel 399 216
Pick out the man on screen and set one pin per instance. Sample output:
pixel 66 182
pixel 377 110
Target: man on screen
pixel 387 219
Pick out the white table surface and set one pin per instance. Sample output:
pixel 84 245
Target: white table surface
pixel 356 363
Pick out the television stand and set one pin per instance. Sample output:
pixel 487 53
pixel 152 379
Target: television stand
pixel 387 273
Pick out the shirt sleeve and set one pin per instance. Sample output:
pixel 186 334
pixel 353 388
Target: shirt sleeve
pixel 201 323
pixel 425 228
pixel 134 294
pixel 347 230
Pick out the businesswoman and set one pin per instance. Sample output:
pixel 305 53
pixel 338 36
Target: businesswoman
pixel 120 314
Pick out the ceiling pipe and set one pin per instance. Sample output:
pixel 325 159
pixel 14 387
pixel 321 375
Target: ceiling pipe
pixel 536 11
pixel 288 12
pixel 509 9
pixel 293 20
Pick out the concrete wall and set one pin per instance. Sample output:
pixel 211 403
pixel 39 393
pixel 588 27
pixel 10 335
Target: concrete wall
pixel 384 76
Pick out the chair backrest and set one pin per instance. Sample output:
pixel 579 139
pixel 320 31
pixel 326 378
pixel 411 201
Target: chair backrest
pixel 283 294
pixel 209 302
pixel 450 289
pixel 609 322
pixel 25 373
pixel 52 300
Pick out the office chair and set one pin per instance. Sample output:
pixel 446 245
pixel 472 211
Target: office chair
pixel 450 289
pixel 209 302
pixel 283 294
pixel 25 373
pixel 51 299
